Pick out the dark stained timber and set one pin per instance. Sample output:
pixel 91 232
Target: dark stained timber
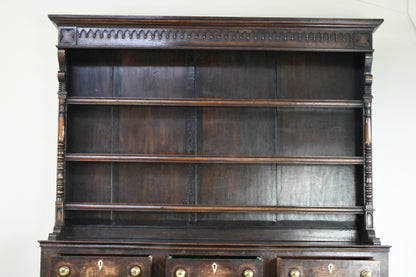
pixel 211 208
pixel 214 146
pixel 86 157
pixel 153 74
pixel 217 102
pixel 300 132
pixel 90 73
pixel 89 129
pixel 318 76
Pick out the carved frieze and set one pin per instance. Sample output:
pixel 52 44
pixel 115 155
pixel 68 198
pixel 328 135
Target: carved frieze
pixel 221 38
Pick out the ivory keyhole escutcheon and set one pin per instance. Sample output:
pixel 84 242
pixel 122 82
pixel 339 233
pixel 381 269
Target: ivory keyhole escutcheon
pixel 330 268
pixel 214 267
pixel 100 264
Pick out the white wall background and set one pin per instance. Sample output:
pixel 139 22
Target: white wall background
pixel 28 113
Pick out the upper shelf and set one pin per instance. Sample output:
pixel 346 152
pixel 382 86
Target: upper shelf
pixel 209 102
pixel 155 158
pixel 215 33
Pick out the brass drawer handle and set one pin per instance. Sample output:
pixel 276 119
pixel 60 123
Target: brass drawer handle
pixel 64 270
pixel 248 273
pixel 180 272
pixel 135 271
pixel 294 273
pixel 366 273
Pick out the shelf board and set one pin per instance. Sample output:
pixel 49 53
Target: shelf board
pixel 147 158
pixel 211 208
pixel 216 102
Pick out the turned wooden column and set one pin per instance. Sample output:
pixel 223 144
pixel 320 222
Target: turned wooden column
pixel 368 151
pixel 60 178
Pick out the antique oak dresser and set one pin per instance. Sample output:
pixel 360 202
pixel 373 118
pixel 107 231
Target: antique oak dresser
pixel 197 146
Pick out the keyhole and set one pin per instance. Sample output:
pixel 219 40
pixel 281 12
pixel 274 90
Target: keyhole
pixel 214 267
pixel 100 264
pixel 330 268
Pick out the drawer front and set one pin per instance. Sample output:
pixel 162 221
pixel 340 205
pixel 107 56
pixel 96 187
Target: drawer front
pixel 96 266
pixel 327 268
pixel 189 267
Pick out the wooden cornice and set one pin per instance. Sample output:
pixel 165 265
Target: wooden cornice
pixel 310 34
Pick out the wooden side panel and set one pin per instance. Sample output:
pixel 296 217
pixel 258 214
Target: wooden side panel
pixel 152 183
pixel 154 73
pixel 237 185
pixel 325 132
pixel 133 130
pixel 88 182
pixel 236 131
pixel 225 74
pixel 322 185
pixel 89 129
pixel 154 130
pixel 319 75
pixel 91 73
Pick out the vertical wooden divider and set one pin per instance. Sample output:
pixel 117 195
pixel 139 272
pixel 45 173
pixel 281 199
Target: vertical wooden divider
pixel 368 152
pixel 60 179
pixel 114 139
pixel 276 132
pixel 194 217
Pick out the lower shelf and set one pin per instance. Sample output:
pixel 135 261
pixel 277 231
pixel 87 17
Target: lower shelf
pixel 210 208
pixel 210 233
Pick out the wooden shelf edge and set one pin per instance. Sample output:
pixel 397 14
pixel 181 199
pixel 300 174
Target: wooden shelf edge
pixel 210 208
pixel 95 157
pixel 216 102
pixel 184 243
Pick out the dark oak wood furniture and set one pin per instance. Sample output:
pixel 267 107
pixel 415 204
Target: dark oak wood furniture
pixel 214 147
